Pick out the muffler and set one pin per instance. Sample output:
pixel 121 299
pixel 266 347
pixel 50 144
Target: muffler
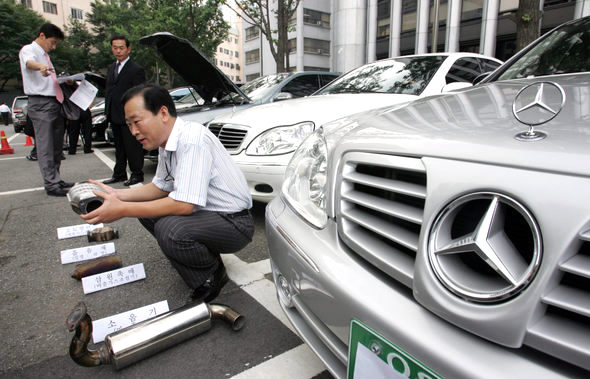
pixel 82 198
pixel 146 338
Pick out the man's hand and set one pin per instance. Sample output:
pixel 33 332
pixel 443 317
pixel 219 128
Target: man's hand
pixel 107 189
pixel 111 209
pixel 45 70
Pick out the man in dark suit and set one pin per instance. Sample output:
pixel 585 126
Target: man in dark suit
pixel 122 75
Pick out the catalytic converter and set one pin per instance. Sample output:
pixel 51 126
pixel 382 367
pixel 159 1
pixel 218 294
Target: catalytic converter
pixel 146 338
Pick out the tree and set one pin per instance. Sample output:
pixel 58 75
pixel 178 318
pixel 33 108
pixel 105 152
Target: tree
pixel 199 21
pixel 273 23
pixel 20 25
pixel 528 20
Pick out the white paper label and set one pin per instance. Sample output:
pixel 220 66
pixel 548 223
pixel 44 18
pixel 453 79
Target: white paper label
pixel 114 278
pixel 87 252
pixel 76 230
pixel 119 321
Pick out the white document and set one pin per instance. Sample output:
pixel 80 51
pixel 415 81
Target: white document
pixel 101 328
pixel 75 230
pixel 74 78
pixel 84 95
pixel 87 252
pixel 113 278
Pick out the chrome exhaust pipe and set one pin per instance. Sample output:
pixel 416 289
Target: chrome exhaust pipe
pixel 146 338
pixel 82 198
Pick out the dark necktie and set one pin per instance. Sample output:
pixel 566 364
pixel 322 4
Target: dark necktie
pixel 116 70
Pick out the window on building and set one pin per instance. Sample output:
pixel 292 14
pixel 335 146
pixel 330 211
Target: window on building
pixel 236 54
pixel 253 56
pixel 316 46
pixel 292 45
pixel 318 18
pixel 221 49
pixel 252 76
pixel 77 13
pixel 252 32
pixel 237 67
pixel 231 66
pixel 225 51
pixel 49 7
pixel 27 3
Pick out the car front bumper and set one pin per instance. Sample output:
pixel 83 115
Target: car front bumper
pixel 329 287
pixel 264 174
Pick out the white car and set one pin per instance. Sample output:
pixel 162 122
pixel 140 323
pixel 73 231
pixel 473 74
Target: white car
pixel 262 139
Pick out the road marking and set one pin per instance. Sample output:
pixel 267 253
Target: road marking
pixel 13 137
pixel 7 159
pixel 299 362
pixel 106 160
pixel 21 191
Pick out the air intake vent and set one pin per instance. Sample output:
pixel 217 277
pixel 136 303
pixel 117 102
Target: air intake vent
pixel 231 136
pixel 564 331
pixel 381 205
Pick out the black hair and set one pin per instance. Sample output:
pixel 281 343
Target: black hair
pixel 154 98
pixel 120 36
pixel 51 30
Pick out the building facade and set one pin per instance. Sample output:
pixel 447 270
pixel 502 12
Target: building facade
pixel 229 54
pixel 59 12
pixel 341 35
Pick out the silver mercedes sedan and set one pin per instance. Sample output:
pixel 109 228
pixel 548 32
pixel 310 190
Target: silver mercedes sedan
pixel 449 237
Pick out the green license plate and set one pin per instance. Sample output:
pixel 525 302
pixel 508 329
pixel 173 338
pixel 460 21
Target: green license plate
pixel 370 355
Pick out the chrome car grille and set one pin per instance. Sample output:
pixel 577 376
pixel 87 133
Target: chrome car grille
pixel 381 205
pixel 564 330
pixel 231 136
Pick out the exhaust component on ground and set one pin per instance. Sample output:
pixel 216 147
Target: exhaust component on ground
pixel 146 338
pixel 97 266
pixel 106 233
pixel 82 198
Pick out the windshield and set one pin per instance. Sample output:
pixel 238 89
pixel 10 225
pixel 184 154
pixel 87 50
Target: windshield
pixel 192 98
pixel 21 103
pixel 565 50
pixel 401 76
pixel 259 88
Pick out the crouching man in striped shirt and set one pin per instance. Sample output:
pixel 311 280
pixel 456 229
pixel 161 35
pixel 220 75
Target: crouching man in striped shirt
pixel 197 205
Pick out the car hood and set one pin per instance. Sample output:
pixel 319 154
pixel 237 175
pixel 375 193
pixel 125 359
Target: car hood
pixel 476 124
pixel 194 67
pixel 319 109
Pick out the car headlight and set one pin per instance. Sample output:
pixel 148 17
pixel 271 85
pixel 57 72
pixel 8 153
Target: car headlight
pixel 99 119
pixel 304 187
pixel 280 140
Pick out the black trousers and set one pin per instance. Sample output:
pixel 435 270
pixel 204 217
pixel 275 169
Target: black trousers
pixel 84 125
pixel 6 117
pixel 193 243
pixel 127 151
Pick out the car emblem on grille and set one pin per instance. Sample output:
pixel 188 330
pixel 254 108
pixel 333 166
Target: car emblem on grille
pixel 485 247
pixel 537 104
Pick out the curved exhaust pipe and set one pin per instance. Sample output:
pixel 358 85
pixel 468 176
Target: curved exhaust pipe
pixel 146 338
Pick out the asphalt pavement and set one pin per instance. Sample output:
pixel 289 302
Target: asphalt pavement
pixel 38 293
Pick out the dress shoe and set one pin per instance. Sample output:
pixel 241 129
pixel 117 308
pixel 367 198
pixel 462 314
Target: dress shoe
pixel 31 157
pixel 133 180
pixel 57 192
pixel 63 184
pixel 63 157
pixel 88 151
pixel 114 180
pixel 211 288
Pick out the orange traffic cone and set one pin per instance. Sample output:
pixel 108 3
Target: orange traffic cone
pixel 29 141
pixel 6 149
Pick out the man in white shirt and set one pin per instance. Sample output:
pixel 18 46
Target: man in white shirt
pixel 197 205
pixel 5 110
pixel 44 105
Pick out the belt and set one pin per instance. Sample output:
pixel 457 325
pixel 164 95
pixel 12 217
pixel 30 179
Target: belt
pixel 243 212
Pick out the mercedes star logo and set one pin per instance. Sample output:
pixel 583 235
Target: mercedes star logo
pixel 485 247
pixel 537 104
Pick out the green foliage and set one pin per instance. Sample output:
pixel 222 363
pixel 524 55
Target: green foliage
pixel 199 21
pixel 19 27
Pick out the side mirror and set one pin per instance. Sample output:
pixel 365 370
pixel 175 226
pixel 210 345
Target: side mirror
pixel 480 77
pixel 455 86
pixel 283 96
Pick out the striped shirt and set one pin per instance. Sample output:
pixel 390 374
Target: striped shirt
pixel 195 168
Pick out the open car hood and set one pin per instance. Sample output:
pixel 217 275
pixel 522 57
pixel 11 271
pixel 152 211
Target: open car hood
pixel 194 67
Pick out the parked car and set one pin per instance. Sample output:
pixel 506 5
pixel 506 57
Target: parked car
pixel 263 139
pixel 218 95
pixel 19 113
pixel 449 237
